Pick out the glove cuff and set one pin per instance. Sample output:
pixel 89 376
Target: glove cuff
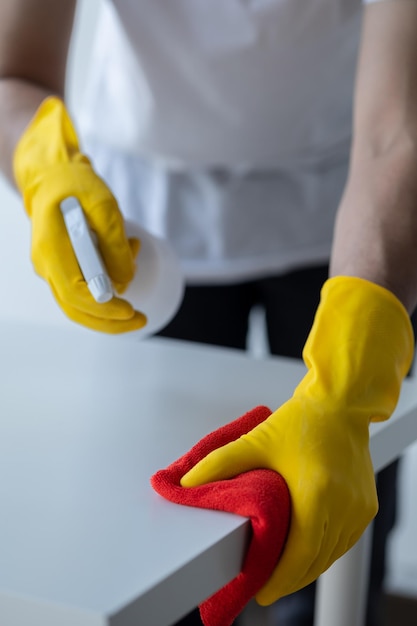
pixel 360 347
pixel 49 140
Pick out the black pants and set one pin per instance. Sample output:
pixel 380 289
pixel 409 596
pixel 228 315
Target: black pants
pixel 219 315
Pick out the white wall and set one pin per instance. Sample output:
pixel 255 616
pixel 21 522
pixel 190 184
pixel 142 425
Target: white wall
pixel 23 295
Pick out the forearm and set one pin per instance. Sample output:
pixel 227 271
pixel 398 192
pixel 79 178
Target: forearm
pixel 34 40
pixel 376 227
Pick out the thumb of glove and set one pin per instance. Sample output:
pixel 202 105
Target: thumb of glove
pixel 225 462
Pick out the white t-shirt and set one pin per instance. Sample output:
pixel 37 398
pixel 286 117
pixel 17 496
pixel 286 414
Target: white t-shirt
pixel 225 125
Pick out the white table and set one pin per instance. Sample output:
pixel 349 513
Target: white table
pixel 85 420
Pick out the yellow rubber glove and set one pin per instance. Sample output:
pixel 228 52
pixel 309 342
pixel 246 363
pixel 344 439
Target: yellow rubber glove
pixel 49 167
pixel 357 354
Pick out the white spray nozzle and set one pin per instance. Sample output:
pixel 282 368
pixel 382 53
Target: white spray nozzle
pixel 88 257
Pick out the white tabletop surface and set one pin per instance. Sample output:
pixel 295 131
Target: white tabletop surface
pixel 85 421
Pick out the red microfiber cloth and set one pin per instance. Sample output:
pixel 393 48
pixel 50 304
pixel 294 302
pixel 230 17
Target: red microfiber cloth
pixel 261 495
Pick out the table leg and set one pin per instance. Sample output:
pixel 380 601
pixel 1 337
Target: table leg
pixel 341 593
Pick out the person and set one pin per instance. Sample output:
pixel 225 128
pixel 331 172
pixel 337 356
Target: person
pixel 283 176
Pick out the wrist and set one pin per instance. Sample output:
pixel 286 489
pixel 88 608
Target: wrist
pixel 359 349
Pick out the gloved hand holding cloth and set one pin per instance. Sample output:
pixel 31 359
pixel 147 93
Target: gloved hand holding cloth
pixel 260 495
pixel 49 167
pixel 358 352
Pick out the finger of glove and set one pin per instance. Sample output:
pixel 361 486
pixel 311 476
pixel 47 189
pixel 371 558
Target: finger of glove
pixel 109 326
pixel 225 462
pixel 314 543
pixel 113 324
pixel 107 222
pixel 61 270
pixel 134 247
pixel 297 568
pixel 76 295
pixel 54 259
pixel 306 555
pixel 134 244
